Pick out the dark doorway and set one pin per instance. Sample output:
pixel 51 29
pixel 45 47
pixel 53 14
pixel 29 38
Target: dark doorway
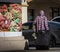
pixel 55 11
pixel 30 14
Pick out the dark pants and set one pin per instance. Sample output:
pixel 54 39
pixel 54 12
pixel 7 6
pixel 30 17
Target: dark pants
pixel 42 41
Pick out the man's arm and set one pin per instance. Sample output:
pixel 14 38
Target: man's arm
pixel 46 23
pixel 35 21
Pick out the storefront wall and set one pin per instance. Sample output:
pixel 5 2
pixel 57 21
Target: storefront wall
pixel 24 16
pixel 43 6
pixel 14 40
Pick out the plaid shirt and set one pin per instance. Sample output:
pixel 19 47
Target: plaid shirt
pixel 41 23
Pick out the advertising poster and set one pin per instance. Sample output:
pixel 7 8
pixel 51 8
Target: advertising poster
pixel 10 18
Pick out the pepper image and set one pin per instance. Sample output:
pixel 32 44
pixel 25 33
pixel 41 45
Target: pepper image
pixel 12 29
pixel 17 20
pixel 9 15
pixel 4 7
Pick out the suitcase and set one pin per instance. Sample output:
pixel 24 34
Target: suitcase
pixel 43 39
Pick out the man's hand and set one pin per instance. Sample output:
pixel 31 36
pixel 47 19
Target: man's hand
pixel 34 30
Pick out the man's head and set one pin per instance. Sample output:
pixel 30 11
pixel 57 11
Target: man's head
pixel 42 13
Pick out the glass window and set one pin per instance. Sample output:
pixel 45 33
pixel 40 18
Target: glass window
pixel 30 14
pixel 27 26
pixel 57 20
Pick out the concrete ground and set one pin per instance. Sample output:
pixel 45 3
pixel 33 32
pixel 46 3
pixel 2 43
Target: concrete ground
pixel 51 50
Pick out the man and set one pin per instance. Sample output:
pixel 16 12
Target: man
pixel 41 24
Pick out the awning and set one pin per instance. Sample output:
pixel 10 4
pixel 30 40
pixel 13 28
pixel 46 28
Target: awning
pixel 10 1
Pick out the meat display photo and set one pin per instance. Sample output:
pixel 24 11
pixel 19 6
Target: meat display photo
pixel 10 18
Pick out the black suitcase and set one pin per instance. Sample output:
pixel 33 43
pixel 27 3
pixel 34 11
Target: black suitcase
pixel 43 39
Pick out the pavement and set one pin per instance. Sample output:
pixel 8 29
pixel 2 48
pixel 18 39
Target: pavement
pixel 50 50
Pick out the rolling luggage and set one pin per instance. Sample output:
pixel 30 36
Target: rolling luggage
pixel 43 39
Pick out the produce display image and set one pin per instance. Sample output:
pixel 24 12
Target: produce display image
pixel 10 18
